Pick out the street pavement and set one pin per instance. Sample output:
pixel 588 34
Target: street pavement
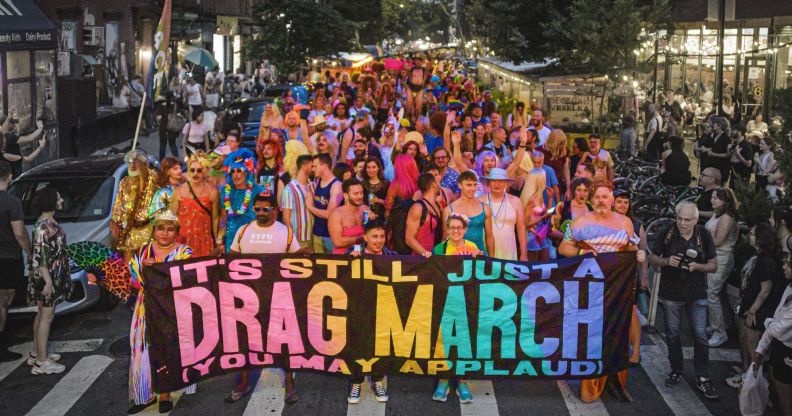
pixel 95 350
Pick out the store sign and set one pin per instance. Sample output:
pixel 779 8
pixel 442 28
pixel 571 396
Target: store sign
pixel 227 25
pixel 25 37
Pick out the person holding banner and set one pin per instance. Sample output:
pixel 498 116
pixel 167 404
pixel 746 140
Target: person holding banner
pixel 164 248
pixel 455 245
pixel 479 230
pixel 602 231
pixel 346 222
pixel 262 236
pixel 373 244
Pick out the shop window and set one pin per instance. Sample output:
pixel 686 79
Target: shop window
pixel 45 85
pixel 18 63
pixel 19 104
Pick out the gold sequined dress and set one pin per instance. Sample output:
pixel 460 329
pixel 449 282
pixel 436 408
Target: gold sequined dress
pixel 130 211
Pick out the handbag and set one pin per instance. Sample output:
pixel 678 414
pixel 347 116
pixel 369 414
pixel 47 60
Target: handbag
pixel 176 121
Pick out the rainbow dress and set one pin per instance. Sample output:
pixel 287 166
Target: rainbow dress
pixel 140 385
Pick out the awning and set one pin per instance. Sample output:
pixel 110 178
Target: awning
pixel 22 23
pixel 88 59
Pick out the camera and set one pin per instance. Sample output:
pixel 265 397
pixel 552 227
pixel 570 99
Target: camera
pixel 685 259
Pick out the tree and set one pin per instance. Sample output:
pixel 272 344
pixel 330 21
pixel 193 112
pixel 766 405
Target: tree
pixel 416 19
pixel 294 30
pixel 367 14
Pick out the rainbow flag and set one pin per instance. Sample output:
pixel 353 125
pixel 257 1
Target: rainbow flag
pixel 159 56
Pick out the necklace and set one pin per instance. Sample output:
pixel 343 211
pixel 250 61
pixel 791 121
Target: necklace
pixel 245 201
pixel 495 215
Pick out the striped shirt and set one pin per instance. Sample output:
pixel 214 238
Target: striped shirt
pixel 293 198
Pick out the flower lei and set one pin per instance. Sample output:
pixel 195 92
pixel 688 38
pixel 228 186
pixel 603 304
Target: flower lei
pixel 245 201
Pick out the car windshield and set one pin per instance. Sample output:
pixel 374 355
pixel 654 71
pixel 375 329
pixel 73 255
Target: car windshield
pixel 247 112
pixel 84 198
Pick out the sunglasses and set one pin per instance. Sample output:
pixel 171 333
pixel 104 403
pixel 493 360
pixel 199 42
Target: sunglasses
pixel 265 210
pixel 199 170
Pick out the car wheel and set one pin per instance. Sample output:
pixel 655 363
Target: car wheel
pixel 107 302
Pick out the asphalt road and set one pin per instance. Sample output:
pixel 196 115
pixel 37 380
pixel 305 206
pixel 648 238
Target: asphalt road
pixel 95 351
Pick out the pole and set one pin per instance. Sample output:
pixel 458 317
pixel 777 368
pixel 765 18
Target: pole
pixel 655 296
pixel 657 62
pixel 140 118
pixel 719 65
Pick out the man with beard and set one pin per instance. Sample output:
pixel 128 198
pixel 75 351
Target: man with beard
pixel 537 125
pixel 476 115
pixel 373 244
pixel 323 140
pixel 129 222
pixel 297 129
pixel 262 236
pixel 362 147
pixel 602 231
pixel 345 223
pixel 350 134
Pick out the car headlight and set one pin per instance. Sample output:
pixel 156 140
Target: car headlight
pixel 73 267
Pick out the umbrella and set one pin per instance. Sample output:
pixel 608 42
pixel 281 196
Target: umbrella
pixel 200 56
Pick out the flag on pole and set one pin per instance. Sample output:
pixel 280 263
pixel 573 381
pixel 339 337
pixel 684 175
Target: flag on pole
pixel 159 58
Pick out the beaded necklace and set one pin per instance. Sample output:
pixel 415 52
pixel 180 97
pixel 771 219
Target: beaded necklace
pixel 245 201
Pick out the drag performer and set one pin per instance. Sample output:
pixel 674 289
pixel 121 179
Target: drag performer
pixel 130 226
pixel 237 195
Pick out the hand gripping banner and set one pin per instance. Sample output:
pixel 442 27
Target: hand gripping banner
pixel 439 317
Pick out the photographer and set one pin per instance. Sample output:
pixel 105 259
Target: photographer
pixel 685 253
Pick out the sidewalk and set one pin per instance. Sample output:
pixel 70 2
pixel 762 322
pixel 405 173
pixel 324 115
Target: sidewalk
pixel 149 144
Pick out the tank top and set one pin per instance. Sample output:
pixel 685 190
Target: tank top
pixel 321 201
pixel 427 232
pixel 268 178
pixel 475 231
pixel 727 246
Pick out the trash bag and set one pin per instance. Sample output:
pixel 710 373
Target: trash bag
pixel 754 392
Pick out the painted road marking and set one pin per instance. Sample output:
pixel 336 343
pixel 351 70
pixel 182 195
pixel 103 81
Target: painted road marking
pixel 484 402
pixel 681 399
pixel 267 397
pixel 82 345
pixel 576 406
pixel 70 388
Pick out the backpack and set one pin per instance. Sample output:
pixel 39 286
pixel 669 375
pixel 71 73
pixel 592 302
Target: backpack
pixel 396 228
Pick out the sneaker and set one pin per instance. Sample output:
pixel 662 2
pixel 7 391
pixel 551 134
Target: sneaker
pixel 717 341
pixel 463 391
pixel 47 367
pixel 380 392
pixel 706 388
pixel 441 392
pixel 354 393
pixel 673 379
pixel 734 381
pixel 32 358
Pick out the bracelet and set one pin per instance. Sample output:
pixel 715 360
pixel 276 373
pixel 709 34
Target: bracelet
pixel 580 252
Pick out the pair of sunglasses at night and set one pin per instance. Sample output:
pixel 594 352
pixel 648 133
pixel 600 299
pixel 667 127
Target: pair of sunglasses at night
pixel 196 170
pixel 265 210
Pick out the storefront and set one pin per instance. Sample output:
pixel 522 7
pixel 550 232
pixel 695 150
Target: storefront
pixel 28 66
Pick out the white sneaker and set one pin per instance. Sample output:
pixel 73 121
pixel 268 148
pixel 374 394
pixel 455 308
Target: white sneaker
pixel 32 358
pixel 715 341
pixel 47 367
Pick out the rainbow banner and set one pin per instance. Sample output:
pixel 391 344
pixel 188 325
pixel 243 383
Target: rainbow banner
pixel 441 317
pixel 159 58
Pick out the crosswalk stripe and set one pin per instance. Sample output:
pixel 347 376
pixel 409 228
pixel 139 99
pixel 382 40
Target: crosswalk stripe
pixel 682 400
pixel 484 402
pixel 576 406
pixel 368 405
pixel 715 354
pixel 71 387
pixel 83 345
pixel 267 397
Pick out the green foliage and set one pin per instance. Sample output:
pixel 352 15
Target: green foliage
pixel 315 30
pixel 506 102
pixel 416 19
pixel 755 207
pixel 367 14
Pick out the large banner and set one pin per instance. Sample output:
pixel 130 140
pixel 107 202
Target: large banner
pixel 439 317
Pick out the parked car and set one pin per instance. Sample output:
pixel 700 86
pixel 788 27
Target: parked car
pixel 88 186
pixel 247 113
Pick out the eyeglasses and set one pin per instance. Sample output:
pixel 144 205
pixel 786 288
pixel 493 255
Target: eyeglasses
pixel 265 210
pixel 456 228
pixel 441 157
pixel 199 170
pixel 686 220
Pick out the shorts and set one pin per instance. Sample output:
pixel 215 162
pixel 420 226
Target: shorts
pixel 781 371
pixel 12 274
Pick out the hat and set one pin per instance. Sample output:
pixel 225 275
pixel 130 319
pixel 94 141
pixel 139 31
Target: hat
pixel 622 192
pixel 413 136
pixel 434 79
pixel 135 154
pixel 497 174
pixel 166 215
pixel 319 119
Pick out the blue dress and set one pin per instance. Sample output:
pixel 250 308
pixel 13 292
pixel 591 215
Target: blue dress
pixel 235 222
